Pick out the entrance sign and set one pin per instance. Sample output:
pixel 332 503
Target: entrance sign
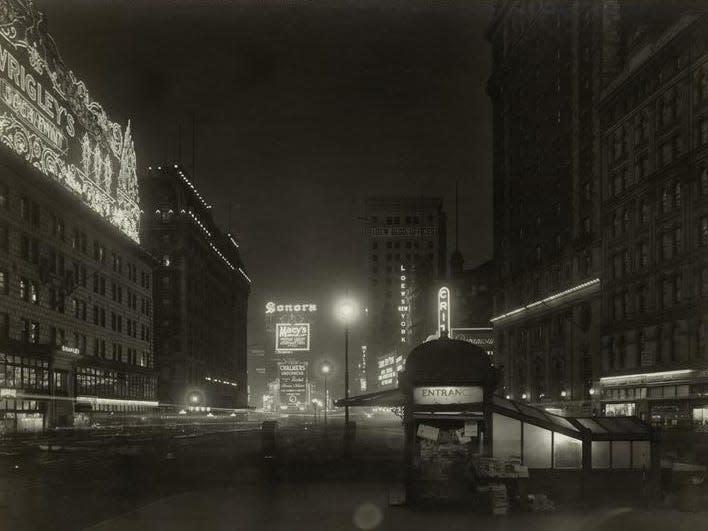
pixel 445 395
pixel 444 312
pixel 48 118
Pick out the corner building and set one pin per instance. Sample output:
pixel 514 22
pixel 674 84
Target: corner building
pixel 75 292
pixel 201 296
pixel 654 117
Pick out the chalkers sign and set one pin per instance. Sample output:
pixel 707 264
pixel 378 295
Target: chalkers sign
pixel 444 395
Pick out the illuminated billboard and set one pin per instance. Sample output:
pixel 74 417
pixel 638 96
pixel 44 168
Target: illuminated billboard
pixel 293 383
pixel 292 337
pixel 48 118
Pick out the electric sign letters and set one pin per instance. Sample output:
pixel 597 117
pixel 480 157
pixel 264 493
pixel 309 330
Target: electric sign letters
pixel 403 306
pixel 48 118
pixel 292 337
pixel 443 311
pixel 272 307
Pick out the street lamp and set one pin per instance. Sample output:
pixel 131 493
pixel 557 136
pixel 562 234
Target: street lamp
pixel 325 368
pixel 346 311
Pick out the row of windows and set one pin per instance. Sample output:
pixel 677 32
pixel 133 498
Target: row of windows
pixel 669 290
pixel 399 245
pixel 30 214
pixel 396 220
pixel 668 151
pixel 670 343
pixel 396 257
pixel 98 382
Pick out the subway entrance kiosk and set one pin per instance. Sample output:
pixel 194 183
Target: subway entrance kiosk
pixel 447 387
pixel 465 444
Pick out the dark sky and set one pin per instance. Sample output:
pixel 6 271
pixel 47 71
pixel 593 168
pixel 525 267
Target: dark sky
pixel 303 109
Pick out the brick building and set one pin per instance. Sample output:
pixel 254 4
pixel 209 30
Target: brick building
pixel 201 296
pixel 75 292
pixel 654 131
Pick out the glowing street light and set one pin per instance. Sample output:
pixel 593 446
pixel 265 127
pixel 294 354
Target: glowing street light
pixel 346 311
pixel 325 368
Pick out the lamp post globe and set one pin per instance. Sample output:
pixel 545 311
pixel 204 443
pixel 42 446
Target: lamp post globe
pixel 346 311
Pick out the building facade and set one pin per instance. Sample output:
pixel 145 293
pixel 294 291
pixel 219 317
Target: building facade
pixel 75 292
pixel 201 296
pixel 406 251
pixel 547 71
pixel 654 127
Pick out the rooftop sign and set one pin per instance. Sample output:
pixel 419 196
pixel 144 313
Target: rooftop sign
pixel 48 118
pixel 272 307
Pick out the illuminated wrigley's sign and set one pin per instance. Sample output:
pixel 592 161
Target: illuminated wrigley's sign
pixel 48 118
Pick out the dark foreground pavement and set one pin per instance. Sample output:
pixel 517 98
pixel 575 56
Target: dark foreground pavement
pixel 220 481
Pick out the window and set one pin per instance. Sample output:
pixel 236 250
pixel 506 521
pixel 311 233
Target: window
pixel 646 211
pixel 34 332
pixel 642 299
pixel 704 181
pixel 4 237
pixel 665 201
pixel 644 254
pixel 666 246
pixel 4 195
pixel 677 195
pixel 703 131
pixel 24 289
pixel 704 231
pixel 34 293
pixel 4 283
pixel 24 209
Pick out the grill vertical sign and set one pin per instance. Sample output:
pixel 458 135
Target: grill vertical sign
pixel 444 312
pixel 403 306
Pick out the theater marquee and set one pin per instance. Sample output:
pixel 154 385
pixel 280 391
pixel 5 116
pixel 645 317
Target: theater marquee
pixel 48 118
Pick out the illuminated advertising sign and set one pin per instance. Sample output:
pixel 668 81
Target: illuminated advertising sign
pixel 272 307
pixel 481 337
pixel 293 383
pixel 403 232
pixel 48 118
pixel 403 305
pixel 292 337
pixel 444 311
pixel 389 366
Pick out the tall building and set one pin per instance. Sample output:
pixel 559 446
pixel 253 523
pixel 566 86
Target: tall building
pixel 201 295
pixel 75 292
pixel 406 251
pixel 547 70
pixel 654 167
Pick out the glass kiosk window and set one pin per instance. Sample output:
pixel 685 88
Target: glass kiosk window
pixel 537 447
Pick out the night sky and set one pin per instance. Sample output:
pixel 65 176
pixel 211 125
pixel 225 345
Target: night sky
pixel 303 109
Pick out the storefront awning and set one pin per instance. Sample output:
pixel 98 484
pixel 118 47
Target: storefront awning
pixel 389 398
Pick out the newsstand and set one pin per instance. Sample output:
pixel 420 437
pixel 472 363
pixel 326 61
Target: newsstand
pixel 446 385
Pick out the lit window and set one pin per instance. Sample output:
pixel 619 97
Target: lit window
pixel 24 293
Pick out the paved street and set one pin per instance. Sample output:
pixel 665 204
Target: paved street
pixel 219 481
